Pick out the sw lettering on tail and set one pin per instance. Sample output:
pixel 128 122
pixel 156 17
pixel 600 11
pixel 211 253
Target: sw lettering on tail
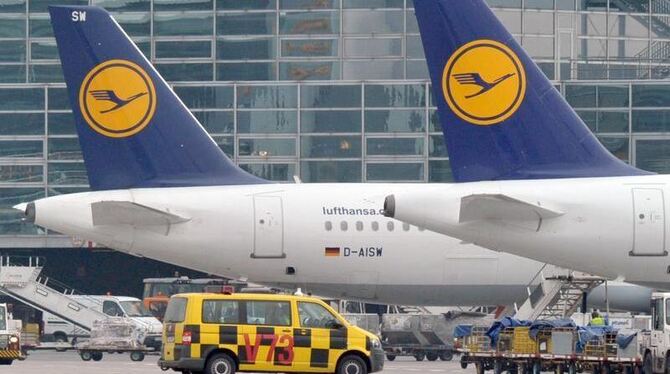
pixel 133 130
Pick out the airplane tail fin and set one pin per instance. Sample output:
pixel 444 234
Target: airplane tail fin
pixel 501 117
pixel 133 130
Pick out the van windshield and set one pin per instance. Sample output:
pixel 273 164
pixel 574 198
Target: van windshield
pixel 135 309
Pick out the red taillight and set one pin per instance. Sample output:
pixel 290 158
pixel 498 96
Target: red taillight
pixel 186 338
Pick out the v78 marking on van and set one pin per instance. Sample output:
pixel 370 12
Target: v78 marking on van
pixel 283 358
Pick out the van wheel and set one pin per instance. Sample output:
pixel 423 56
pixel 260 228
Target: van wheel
pixel 60 338
pixel 220 364
pixel 351 364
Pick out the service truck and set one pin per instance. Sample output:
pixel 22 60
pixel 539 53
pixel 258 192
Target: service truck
pixel 563 347
pixel 10 339
pixel 113 306
pixel 656 357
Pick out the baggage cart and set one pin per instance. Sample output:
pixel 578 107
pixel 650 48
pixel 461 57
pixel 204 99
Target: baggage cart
pixel 115 335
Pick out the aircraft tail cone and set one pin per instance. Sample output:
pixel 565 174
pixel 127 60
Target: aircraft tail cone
pixel 28 210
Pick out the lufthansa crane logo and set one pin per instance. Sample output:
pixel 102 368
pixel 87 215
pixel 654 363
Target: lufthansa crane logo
pixel 484 82
pixel 117 98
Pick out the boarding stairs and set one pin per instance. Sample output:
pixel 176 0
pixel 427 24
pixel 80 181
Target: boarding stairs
pixel 20 279
pixel 556 296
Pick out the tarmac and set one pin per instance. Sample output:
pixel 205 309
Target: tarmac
pixel 51 362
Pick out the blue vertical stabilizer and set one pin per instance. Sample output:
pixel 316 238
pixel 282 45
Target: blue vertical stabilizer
pixel 133 130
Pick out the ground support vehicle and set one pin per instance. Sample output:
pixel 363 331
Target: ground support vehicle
pixel 424 336
pixel 562 349
pixel 10 339
pixel 115 335
pixel 96 353
pixel 157 291
pixel 419 352
pixel 218 333
pixel 67 315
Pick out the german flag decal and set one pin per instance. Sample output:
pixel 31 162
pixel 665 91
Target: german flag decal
pixel 332 251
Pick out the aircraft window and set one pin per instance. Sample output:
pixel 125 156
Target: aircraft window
pixel 405 226
pixel 375 226
pixel 359 226
pixel 422 229
pixel 344 226
pixel 329 225
pixel 389 226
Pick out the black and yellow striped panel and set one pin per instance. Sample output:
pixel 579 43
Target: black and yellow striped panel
pixel 10 354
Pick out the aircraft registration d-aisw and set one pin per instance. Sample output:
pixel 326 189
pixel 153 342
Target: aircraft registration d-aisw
pixel 532 179
pixel 162 188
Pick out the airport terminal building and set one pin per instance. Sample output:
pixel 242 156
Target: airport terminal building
pixel 325 90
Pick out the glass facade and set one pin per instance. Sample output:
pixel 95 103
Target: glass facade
pixel 328 90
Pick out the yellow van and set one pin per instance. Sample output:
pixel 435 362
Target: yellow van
pixel 223 334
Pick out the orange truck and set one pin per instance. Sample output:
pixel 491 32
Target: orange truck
pixel 157 291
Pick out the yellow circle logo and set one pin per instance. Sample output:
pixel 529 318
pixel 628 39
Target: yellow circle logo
pixel 484 82
pixel 117 98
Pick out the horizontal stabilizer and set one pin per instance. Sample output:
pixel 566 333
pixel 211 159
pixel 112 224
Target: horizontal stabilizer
pixel 129 213
pixel 502 207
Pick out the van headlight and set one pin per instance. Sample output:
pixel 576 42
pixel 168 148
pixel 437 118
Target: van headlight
pixel 376 344
pixel 13 339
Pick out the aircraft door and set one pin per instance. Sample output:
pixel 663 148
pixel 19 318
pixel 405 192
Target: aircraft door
pixel 268 227
pixel 649 222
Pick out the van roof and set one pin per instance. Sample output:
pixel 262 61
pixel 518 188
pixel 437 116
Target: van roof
pixel 245 296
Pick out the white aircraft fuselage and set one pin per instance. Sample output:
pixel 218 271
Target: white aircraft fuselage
pixel 265 232
pixel 613 227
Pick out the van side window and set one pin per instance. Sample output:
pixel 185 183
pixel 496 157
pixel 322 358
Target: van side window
pixel 220 311
pixel 111 308
pixel 271 313
pixel 176 310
